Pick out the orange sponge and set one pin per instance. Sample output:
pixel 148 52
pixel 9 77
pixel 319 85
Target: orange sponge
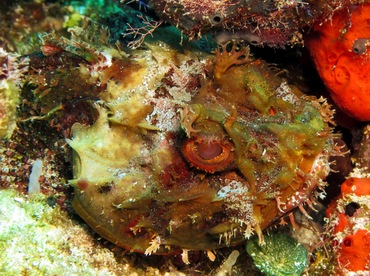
pixel 340 48
pixel 350 216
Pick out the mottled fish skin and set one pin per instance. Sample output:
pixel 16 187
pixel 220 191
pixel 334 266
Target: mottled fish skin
pixel 244 150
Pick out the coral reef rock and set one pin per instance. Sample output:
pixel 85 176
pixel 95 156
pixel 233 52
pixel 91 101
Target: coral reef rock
pixel 273 23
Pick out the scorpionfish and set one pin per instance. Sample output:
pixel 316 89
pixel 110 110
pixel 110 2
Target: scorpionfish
pixel 196 153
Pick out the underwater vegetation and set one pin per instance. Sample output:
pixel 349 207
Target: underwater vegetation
pixel 36 239
pixel 9 95
pixel 183 158
pixel 281 255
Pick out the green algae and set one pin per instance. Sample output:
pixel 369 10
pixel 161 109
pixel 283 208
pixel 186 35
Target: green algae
pixel 36 239
pixel 280 255
pixel 9 99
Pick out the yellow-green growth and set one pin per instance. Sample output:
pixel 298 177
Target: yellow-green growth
pixel 9 99
pixel 281 255
pixel 36 239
